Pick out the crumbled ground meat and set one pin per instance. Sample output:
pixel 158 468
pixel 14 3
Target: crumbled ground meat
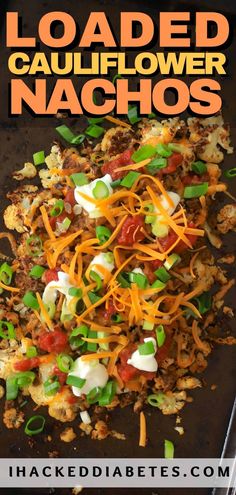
pixel 13 418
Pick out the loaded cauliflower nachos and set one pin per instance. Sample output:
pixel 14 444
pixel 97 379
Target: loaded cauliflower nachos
pixel 111 293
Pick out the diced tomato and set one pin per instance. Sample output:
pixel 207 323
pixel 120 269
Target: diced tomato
pixel 27 364
pixel 172 163
pixel 111 310
pixel 70 197
pixel 50 275
pixel 123 159
pixel 131 231
pixel 59 219
pixel 156 264
pixel 61 376
pixel 168 241
pixel 72 400
pixel 194 179
pixel 54 341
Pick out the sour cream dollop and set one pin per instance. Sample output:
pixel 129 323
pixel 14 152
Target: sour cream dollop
pixel 88 190
pixel 144 362
pixel 105 260
pixel 93 372
pixel 61 285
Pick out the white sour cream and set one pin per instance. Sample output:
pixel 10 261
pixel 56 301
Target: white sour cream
pixel 106 260
pixel 88 190
pixel 61 285
pixel 144 362
pixel 93 372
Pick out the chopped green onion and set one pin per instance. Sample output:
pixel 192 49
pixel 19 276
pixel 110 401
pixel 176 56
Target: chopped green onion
pixel 160 335
pixel 94 131
pixel 66 223
pixel 108 393
pixel 94 395
pixel 204 302
pixel 175 147
pixel 147 325
pixel 199 167
pixel 93 297
pixel 91 346
pixel 51 386
pixel 230 173
pixel 96 278
pixel 30 300
pixel 57 208
pixel 69 136
pixel 6 273
pixel 37 271
pixel 146 151
pixel 117 76
pixel 34 245
pixel 158 285
pixel 171 261
pixel 39 158
pixel 25 378
pixel 133 114
pixel 95 120
pixel 156 400
pixel 162 274
pixel 115 183
pixel 146 348
pixel 152 115
pixel 11 388
pixel 116 318
pixel 74 339
pixel 75 292
pixel 35 419
pixel 169 449
pixel 195 191
pixel 9 333
pixel 64 362
pixel 16 381
pixel 31 351
pixel 163 150
pixel 75 381
pixel 139 279
pixel 130 179
pixel 51 310
pixel 150 218
pixel 100 190
pixel 79 179
pixel 123 279
pixel 102 234
pixel 156 165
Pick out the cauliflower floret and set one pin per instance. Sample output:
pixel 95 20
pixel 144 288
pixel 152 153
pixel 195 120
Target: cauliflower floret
pixel 38 395
pixel 14 218
pixel 188 382
pixel 13 418
pixel 27 172
pixel 213 238
pixel 48 179
pixel 210 135
pixel 171 402
pixel 226 219
pixel 55 159
pixel 60 408
pixel 154 132
pixel 116 140
pixel 68 435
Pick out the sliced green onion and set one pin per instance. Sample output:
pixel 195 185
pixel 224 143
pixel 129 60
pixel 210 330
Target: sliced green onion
pixel 31 351
pixel 75 292
pixel 100 190
pixel 230 173
pixel 115 183
pixel 204 302
pixel 95 120
pixel 96 278
pixel 171 261
pixel 93 297
pixel 152 115
pixel 79 179
pixel 147 325
pixel 34 245
pixel 94 131
pixel 51 310
pixel 51 386
pixel 66 223
pixel 9 333
pixel 6 273
pixel 150 218
pixel 117 76
pixel 163 150
pixel 92 347
pixel 64 362
pixel 123 279
pixel 146 348
pixel 11 388
pixel 39 158
pixel 158 284
pixel 195 191
pixel 162 274
pixel 160 335
pixel 69 136
pixel 57 208
pixel 94 395
pixel 75 381
pixel 102 234
pixel 139 279
pixel 169 449
pixel 155 165
pixel 25 378
pixel 156 400
pixel 75 339
pixel 116 318
pixel 30 300
pixel 130 179
pixel 108 393
pixel 199 167
pixel 37 271
pixel 35 419
pixel 175 147
pixel 133 114
pixel 146 151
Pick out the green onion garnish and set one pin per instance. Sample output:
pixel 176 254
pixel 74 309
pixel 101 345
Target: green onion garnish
pixel 115 183
pixel 95 120
pixel 9 333
pixel 195 191
pixel 156 165
pixel 6 273
pixel 116 318
pixel 64 362
pixel 92 347
pixel 31 351
pixel 160 335
pixel 129 179
pixel 66 223
pixel 94 131
pixel 175 147
pixel 69 136
pixel 75 339
pixel 37 271
pixel 162 274
pixel 150 218
pixel 169 449
pixel 51 310
pixel 75 292
pixel 108 393
pixel 230 173
pixel 79 179
pixel 35 419
pixel 16 381
pixel 102 234
pixel 93 297
pixel 34 245
pixel 146 151
pixel 100 190
pixel 39 158
pixel 204 302
pixel 123 279
pixel 147 325
pixel 139 279
pixel 117 76
pixel 11 388
pixel 75 381
pixel 171 261
pixel 30 300
pixel 96 278
pixel 158 284
pixel 57 208
pixel 163 150
pixel 156 400
pixel 51 386
pixel 199 167
pixel 24 378
pixel 133 114
pixel 146 348
pixel 94 395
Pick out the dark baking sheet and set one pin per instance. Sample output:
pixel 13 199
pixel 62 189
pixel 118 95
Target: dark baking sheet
pixel 206 419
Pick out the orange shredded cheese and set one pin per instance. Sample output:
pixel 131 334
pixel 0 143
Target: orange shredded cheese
pixel 46 222
pixel 98 355
pixel 44 311
pixel 9 288
pixel 117 121
pixel 143 431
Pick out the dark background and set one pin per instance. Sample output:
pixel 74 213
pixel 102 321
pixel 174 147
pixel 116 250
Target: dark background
pixel 205 420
